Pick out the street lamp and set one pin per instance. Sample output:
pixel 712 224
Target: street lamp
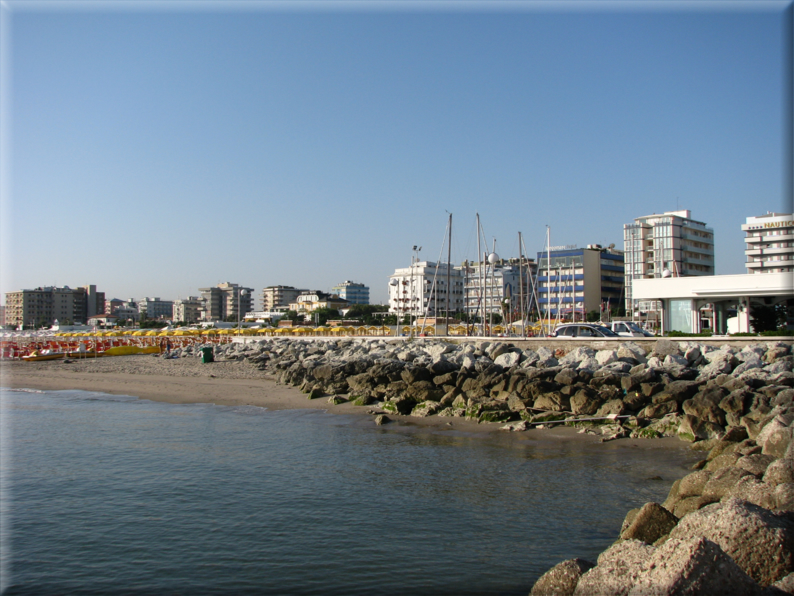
pixel 240 293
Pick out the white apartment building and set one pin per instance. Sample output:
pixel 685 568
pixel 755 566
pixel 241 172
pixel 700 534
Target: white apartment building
pixel 274 297
pixel 188 310
pixel 770 243
pixel 497 288
pixel 155 308
pixel 422 288
pixel 669 244
pixel 225 301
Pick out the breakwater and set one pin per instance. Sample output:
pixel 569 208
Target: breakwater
pixel 725 528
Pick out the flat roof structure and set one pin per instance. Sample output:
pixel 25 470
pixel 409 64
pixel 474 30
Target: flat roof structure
pixel 682 297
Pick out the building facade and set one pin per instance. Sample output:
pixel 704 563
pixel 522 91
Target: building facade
pixel 573 281
pixel 770 243
pixel 226 301
pixel 274 297
pixel 187 310
pixel 44 305
pixel 422 289
pixel 497 287
pixel 309 301
pixel 155 308
pixel 670 244
pixel 354 293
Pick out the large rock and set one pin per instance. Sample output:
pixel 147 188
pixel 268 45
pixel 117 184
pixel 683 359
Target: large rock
pixel 779 471
pixel 650 523
pixel 754 491
pixel 553 400
pixel 693 566
pixel 693 428
pixel 508 359
pixel 760 542
pixel 722 481
pixel 561 579
pixel 617 570
pixel 666 347
pixel 632 350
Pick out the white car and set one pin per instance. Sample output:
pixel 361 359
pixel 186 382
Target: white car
pixel 628 329
pixel 579 330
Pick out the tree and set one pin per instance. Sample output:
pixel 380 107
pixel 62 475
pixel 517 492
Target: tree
pixel 321 315
pixel 767 318
pixel 291 315
pixel 593 316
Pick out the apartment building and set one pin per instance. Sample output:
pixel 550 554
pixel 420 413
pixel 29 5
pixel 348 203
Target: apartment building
pixel 224 301
pixel 573 281
pixel 770 243
pixel 274 297
pixel 422 288
pixel 669 244
pixel 311 300
pixel 188 309
pixel 354 293
pixel 497 287
pixel 155 308
pixel 45 305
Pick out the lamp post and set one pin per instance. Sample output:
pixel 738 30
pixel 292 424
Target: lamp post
pixel 240 293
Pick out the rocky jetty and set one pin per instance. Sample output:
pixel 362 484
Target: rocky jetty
pixel 726 528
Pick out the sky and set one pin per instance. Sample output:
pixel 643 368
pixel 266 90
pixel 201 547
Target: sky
pixel 157 148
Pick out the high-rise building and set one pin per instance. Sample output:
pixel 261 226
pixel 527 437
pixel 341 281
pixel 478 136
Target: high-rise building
pixel 412 290
pixel 770 243
pixel 274 297
pixel 354 293
pixel 669 244
pixel 45 305
pixel 576 281
pixel 226 301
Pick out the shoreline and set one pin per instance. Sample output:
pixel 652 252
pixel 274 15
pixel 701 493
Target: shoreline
pixel 185 381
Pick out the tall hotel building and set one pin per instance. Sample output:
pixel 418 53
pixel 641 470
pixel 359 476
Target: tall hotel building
pixel 669 244
pixel 770 243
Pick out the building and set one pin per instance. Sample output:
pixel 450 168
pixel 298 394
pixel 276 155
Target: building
pixel 44 306
pixel 670 244
pixel 575 281
pixel 309 301
pixel 2 315
pixel 497 287
pixel 354 293
pixel 155 308
pixel 770 243
pixel 187 310
pixel 683 299
pixel 274 297
pixel 225 301
pixel 112 305
pixel 422 289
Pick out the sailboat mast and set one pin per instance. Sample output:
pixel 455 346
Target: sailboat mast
pixel 449 266
pixel 521 285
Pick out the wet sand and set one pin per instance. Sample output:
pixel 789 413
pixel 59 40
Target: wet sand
pixel 188 381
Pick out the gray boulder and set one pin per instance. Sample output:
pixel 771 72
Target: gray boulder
pixel 693 566
pixel 759 541
pixel 651 523
pixel 779 471
pixel 561 579
pixel 666 347
pixel 508 359
pixel 617 570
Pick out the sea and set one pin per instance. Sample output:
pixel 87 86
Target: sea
pixel 107 494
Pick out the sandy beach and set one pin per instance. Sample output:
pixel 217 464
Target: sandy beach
pixel 187 381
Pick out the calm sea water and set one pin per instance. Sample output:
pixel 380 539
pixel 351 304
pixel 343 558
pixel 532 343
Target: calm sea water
pixel 105 494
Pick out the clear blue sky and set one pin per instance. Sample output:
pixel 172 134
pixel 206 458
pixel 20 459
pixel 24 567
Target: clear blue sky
pixel 155 151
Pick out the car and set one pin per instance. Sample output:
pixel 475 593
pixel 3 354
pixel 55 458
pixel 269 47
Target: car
pixel 629 329
pixel 581 330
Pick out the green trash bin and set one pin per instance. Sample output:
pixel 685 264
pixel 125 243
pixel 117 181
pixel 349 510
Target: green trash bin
pixel 207 355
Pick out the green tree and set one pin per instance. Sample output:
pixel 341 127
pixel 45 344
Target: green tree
pixel 321 315
pixel 291 315
pixel 593 316
pixel 767 318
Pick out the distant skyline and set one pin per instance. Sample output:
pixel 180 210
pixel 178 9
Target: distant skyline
pixel 155 148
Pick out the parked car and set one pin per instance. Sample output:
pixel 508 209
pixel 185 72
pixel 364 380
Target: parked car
pixel 577 330
pixel 629 329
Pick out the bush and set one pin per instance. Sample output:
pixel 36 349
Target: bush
pixel 683 334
